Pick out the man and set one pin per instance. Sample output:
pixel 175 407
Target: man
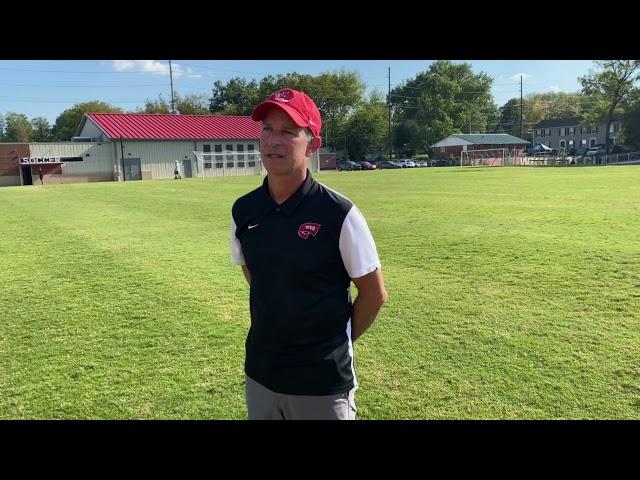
pixel 176 170
pixel 300 245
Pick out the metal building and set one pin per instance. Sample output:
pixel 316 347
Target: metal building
pixel 127 146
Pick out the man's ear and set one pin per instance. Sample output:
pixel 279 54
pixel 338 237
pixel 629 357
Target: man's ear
pixel 313 145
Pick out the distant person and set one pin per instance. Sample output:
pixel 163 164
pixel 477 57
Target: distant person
pixel 176 170
pixel 40 175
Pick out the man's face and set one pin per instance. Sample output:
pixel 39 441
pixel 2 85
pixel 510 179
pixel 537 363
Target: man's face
pixel 284 146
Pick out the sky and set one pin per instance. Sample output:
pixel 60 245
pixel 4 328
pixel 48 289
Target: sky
pixel 45 88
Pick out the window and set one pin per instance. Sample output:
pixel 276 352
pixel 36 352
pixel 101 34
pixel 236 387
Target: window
pixel 229 155
pixel 241 156
pixel 548 132
pixel 219 161
pixel 594 129
pixel 562 144
pixel 252 156
pixel 538 134
pixel 583 143
pixel 572 130
pixel 570 143
pixel 207 165
pixel 206 149
pixel 561 132
pixel 592 142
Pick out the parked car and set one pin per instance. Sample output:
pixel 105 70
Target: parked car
pixel 406 163
pixel 367 165
pixel 421 163
pixel 596 151
pixel 388 164
pixel 348 165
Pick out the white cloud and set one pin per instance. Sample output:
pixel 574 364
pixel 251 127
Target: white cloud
pixel 518 75
pixel 153 67
pixel 554 88
pixel 148 66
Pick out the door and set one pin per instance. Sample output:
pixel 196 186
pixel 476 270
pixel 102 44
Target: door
pixel 131 169
pixel 26 176
pixel 186 169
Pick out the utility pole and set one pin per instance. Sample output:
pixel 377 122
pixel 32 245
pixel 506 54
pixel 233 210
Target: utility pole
pixel 389 102
pixel 173 103
pixel 521 107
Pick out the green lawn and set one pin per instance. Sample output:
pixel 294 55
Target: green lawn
pixel 514 293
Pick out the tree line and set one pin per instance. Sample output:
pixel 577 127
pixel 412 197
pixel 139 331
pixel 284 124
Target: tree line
pixel 445 99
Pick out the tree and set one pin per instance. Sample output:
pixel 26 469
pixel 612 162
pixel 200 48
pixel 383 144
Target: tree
pixel 155 106
pixel 237 97
pixel 41 130
pixel 68 121
pixel 537 107
pixel 631 121
pixel 193 104
pixel 366 130
pixel 609 88
pixel 446 99
pixel 2 127
pixel 336 94
pixel 17 128
pixel 408 138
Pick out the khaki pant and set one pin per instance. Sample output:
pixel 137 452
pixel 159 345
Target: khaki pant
pixel 265 404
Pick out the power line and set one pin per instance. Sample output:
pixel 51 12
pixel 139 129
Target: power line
pixel 82 86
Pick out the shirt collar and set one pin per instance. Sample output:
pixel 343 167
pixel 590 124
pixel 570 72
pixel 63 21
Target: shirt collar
pixel 294 200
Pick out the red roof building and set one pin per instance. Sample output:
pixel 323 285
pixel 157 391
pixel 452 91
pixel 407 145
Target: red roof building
pixel 144 126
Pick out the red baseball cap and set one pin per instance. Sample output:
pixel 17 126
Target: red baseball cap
pixel 298 105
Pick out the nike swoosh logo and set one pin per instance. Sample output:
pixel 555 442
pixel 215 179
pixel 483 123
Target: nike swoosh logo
pixel 253 226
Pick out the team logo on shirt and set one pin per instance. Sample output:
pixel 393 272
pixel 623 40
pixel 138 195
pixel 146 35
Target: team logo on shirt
pixel 307 229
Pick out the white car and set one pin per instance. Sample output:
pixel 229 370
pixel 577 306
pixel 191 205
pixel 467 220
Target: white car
pixel 406 163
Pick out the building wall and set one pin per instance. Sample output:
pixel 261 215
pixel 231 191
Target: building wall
pixel 553 135
pixel 97 164
pixel 101 161
pixel 444 152
pixel 10 154
pixel 90 129
pixel 327 161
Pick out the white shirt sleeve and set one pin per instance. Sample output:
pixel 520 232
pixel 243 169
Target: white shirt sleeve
pixel 237 258
pixel 357 247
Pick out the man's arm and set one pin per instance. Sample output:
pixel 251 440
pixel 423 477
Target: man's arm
pixel 247 274
pixel 371 297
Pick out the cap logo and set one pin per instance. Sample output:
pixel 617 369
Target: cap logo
pixel 284 95
pixel 307 229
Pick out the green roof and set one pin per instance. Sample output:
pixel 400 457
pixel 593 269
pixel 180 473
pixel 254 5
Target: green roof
pixel 491 138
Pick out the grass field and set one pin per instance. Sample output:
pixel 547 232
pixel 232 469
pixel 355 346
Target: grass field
pixel 514 293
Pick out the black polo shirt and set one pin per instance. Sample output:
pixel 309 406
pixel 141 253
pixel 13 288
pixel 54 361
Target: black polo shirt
pixel 302 255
